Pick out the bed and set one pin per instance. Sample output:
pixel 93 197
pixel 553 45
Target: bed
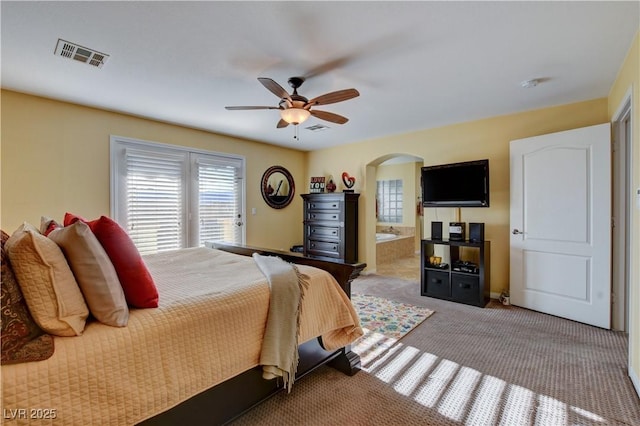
pixel 192 360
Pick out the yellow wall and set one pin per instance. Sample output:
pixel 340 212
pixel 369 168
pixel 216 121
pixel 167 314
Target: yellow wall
pixel 488 138
pixel 55 158
pixel 629 79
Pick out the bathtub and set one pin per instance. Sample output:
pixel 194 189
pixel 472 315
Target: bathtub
pixel 390 247
pixel 385 237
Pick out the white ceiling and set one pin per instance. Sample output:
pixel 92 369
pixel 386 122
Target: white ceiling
pixel 416 64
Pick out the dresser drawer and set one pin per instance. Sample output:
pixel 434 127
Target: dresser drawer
pixel 324 205
pixel 323 248
pixel 465 288
pixel 330 233
pixel 331 225
pixel 324 216
pixel 437 284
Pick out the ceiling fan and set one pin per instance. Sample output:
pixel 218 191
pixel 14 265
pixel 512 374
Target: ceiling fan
pixel 294 108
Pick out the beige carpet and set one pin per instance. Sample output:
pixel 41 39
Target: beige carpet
pixel 469 366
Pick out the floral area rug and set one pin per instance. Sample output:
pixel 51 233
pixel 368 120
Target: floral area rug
pixel 384 322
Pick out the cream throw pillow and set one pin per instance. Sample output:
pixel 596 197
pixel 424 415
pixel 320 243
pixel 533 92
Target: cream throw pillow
pixel 95 273
pixel 48 285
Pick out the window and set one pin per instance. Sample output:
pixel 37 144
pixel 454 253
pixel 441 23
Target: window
pixel 170 197
pixel 389 199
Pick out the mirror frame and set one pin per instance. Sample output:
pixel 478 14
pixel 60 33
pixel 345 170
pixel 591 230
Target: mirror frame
pixel 270 200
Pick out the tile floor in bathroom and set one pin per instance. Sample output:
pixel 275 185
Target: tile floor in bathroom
pixel 407 268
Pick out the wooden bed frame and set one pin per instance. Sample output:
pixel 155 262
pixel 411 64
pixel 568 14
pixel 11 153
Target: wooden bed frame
pixel 230 399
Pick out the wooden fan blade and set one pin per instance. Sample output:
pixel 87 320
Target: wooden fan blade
pixel 282 124
pixel 331 65
pixel 333 97
pixel 274 88
pixel 238 108
pixel 329 116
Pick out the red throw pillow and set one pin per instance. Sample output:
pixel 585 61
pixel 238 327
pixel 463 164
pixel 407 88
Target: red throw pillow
pixel 70 219
pixel 137 283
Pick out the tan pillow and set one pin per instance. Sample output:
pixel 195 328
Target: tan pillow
pixel 47 283
pixel 95 273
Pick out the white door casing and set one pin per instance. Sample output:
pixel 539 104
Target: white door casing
pixel 560 256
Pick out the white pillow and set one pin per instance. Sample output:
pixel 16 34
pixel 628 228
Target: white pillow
pixel 95 273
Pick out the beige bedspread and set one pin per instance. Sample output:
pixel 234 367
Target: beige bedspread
pixel 208 328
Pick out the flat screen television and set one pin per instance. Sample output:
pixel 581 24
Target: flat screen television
pixel 456 185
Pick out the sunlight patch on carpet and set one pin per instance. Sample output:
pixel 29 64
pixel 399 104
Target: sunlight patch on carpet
pixel 464 394
pixel 384 322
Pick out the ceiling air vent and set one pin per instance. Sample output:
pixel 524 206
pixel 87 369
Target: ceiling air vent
pixel 66 49
pixel 317 127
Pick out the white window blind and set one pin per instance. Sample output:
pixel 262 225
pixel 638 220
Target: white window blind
pixel 219 206
pixel 169 197
pixel 154 200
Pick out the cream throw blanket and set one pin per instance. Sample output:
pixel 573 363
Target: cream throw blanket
pixel 279 355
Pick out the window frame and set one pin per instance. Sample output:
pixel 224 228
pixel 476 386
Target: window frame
pixel 117 191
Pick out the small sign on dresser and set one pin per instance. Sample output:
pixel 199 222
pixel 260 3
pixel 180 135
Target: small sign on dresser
pixel 317 184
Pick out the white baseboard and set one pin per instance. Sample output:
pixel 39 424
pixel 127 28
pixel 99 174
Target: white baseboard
pixel 635 380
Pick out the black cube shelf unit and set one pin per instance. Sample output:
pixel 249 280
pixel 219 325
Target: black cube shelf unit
pixel 456 286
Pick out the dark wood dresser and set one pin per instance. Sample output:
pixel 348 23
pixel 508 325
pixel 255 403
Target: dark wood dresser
pixel 331 225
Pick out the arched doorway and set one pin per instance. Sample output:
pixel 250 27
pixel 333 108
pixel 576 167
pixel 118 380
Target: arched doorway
pixel 393 217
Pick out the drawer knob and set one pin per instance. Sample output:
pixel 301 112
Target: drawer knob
pixel 463 285
pixel 437 281
pixel 335 217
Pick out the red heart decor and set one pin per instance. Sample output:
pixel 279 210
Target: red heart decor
pixel 348 181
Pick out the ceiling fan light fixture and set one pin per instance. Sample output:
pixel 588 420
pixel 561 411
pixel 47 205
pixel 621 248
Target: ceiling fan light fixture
pixel 295 115
pixel 296 109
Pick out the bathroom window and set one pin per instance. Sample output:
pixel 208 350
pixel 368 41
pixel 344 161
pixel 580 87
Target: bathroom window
pixel 389 201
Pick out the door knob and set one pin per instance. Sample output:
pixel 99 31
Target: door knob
pixel 516 232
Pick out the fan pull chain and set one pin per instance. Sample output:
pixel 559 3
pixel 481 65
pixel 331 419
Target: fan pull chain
pixel 295 133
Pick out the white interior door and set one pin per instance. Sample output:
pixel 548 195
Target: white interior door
pixel 560 257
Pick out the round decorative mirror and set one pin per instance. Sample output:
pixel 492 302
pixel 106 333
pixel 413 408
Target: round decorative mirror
pixel 277 187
